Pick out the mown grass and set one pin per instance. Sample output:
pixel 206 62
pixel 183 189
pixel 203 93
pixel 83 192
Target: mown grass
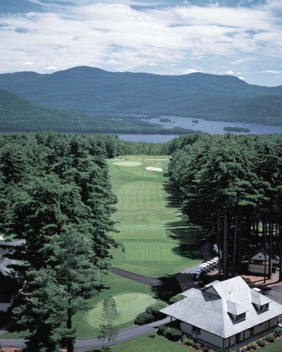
pixel 87 322
pixel 117 286
pixel 149 224
pixel 146 344
pixel 273 347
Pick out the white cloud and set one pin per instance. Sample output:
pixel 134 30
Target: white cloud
pixel 113 32
pixel 240 61
pixel 190 70
pixel 229 72
pixel 50 68
pixel 28 63
pixel 272 71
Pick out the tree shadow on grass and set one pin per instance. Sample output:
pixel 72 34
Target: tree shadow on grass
pixel 169 287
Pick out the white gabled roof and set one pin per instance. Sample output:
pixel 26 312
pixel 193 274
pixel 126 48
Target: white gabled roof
pixel 211 308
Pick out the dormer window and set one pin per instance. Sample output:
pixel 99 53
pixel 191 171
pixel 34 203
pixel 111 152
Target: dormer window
pixel 260 302
pixel 263 307
pixel 240 317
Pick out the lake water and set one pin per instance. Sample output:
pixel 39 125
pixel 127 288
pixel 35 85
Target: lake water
pixel 212 127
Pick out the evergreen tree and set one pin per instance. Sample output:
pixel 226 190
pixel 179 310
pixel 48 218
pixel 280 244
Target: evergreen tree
pixel 108 331
pixel 42 312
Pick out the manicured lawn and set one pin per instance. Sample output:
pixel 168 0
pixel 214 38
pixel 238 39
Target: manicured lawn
pixel 146 344
pixel 156 237
pixel 273 347
pixel 129 305
pixel 132 298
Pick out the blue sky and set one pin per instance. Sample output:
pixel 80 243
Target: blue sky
pixel 237 37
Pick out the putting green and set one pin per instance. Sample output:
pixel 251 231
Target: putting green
pixel 129 305
pixel 127 163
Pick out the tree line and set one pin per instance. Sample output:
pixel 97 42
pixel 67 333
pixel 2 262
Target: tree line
pixel 231 185
pixel 56 195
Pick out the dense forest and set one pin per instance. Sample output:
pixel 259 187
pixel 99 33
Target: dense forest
pixel 88 89
pixel 22 115
pixel 231 186
pixel 55 194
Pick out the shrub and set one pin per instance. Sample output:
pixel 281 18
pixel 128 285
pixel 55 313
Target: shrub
pixel 186 340
pixel 152 335
pixel 176 298
pixel 154 309
pixel 205 349
pixel 260 343
pixel 248 347
pixel 173 334
pixel 161 329
pixel 253 345
pixel 278 331
pixel 211 350
pixel 270 338
pixel 143 318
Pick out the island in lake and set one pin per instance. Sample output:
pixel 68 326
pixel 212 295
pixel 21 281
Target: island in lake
pixel 165 119
pixel 237 129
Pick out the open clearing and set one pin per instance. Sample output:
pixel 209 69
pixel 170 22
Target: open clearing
pixel 127 163
pixel 156 238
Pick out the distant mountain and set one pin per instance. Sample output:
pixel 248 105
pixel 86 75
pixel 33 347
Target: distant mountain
pixel 22 115
pixel 89 89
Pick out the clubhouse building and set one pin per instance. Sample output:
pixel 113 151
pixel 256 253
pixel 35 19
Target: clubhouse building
pixel 225 313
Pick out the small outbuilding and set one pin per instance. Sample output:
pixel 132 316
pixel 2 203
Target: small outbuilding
pixel 259 261
pixel 225 313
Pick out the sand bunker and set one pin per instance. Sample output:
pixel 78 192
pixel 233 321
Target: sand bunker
pixel 154 168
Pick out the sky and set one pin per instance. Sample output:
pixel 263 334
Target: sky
pixel 242 38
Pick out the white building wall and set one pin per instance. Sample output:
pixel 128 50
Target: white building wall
pixel 259 328
pixel 204 336
pixel 273 322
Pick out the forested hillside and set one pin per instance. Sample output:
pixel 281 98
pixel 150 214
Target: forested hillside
pixel 89 89
pixel 231 186
pixel 23 115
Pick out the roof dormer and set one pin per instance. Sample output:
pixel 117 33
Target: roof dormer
pixel 260 302
pixel 236 312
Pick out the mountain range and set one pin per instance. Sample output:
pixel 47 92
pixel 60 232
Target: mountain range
pixel 92 90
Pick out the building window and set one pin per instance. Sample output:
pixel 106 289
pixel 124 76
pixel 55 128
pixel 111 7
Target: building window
pixel 263 307
pixel 240 317
pixel 196 330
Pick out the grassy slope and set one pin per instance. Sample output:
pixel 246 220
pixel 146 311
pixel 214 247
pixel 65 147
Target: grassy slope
pixel 146 344
pixel 152 230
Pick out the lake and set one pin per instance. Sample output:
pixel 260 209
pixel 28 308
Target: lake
pixel 212 127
